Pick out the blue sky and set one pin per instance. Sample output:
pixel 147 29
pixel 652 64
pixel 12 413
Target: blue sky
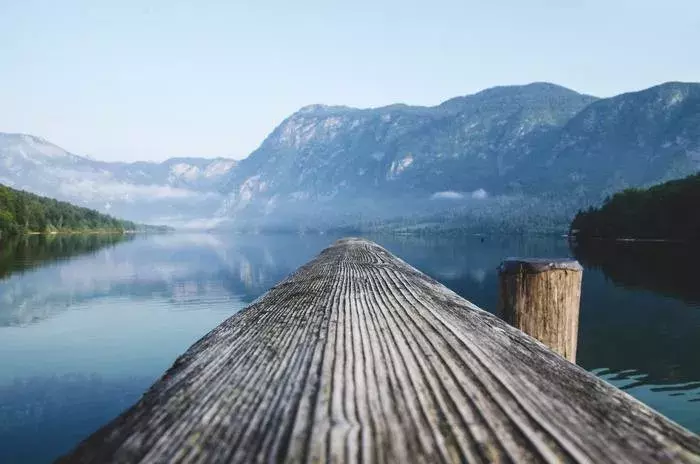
pixel 148 80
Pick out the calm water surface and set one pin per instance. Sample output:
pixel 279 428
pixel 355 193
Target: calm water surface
pixel 88 323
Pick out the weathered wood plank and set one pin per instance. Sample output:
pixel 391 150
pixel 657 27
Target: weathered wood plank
pixel 358 356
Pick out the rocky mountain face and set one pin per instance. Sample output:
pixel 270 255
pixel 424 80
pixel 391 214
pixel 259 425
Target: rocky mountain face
pixel 632 140
pixel 504 154
pixel 507 158
pixel 178 191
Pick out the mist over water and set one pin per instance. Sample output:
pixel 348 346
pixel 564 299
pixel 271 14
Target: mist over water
pixel 86 325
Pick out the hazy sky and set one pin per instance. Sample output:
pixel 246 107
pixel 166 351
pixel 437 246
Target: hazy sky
pixel 152 79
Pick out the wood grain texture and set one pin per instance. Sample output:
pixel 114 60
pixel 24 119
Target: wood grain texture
pixel 357 356
pixel 531 265
pixel 541 297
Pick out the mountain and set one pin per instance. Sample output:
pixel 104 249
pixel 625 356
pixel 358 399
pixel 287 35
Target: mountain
pixel 350 162
pixel 632 140
pixel 512 158
pixel 176 191
pixel 522 156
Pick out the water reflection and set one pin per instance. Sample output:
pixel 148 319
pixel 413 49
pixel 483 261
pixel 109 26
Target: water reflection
pixel 665 268
pixel 640 322
pixel 195 269
pixel 91 333
pixel 655 323
pixel 22 253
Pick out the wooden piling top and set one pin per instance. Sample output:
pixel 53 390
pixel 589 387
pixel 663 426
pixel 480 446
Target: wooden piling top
pixel 357 356
pixel 534 265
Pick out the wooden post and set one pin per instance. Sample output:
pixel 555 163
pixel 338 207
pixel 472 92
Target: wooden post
pixel 541 297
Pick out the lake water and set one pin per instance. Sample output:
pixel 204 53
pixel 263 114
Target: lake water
pixel 88 323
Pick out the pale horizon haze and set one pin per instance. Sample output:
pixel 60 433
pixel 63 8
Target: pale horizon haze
pixel 134 80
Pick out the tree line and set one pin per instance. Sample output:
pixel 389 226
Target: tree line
pixel 23 212
pixel 665 211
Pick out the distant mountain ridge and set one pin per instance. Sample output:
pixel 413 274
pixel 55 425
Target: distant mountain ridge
pixel 508 152
pixel 634 139
pixel 323 155
pixel 513 158
pixel 175 190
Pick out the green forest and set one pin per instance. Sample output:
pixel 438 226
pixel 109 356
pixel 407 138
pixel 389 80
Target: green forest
pixel 22 212
pixel 666 211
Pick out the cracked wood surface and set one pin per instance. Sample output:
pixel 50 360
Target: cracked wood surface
pixel 357 356
pixel 541 297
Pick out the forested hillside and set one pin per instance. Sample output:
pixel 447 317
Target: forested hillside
pixel 22 212
pixel 665 211
pixel 507 159
pixel 175 191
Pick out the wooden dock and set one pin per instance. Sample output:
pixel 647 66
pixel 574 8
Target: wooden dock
pixel 359 357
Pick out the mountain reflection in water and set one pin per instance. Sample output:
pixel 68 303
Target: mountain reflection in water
pixel 87 324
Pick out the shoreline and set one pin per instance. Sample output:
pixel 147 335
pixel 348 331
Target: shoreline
pixel 88 232
pixel 632 239
pixel 81 232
